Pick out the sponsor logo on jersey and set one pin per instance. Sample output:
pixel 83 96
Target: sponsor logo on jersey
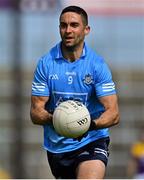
pixel 59 97
pixel 88 79
pixel 70 73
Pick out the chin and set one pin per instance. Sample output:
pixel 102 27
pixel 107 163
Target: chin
pixel 69 46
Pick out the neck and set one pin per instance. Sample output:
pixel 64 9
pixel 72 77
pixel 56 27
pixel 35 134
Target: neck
pixel 72 53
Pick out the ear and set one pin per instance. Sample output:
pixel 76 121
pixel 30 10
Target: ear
pixel 87 30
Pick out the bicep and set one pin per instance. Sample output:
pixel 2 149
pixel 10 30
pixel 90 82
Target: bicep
pixel 111 115
pixel 39 115
pixel 38 101
pixel 110 102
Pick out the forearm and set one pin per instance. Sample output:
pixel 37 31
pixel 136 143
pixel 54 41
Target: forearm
pixel 40 116
pixel 107 119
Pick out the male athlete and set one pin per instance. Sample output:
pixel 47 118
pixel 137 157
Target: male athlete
pixel 71 70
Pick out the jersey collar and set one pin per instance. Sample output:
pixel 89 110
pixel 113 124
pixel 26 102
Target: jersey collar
pixel 59 52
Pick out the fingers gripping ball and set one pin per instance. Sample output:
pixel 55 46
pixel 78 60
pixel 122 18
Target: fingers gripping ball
pixel 71 119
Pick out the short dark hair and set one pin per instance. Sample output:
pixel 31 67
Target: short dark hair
pixel 77 10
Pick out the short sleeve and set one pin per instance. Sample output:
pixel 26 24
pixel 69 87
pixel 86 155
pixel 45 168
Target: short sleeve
pixel 104 84
pixel 39 83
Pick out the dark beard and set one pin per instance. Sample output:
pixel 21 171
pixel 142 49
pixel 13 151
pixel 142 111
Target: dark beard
pixel 69 48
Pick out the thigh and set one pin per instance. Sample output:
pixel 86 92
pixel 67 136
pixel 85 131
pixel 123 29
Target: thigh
pixel 92 162
pixel 91 169
pixel 65 165
pixel 62 165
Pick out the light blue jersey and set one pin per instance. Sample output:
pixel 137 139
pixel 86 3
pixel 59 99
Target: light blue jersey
pixel 85 80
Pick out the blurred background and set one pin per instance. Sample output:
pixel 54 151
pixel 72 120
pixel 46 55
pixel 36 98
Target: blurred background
pixel 28 29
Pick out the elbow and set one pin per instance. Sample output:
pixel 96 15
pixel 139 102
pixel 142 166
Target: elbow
pixel 34 121
pixel 32 117
pixel 116 119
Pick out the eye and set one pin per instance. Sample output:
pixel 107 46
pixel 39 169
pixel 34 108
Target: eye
pixel 74 24
pixel 63 25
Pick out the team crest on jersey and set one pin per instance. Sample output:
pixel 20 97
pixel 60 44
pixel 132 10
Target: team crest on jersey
pixel 88 79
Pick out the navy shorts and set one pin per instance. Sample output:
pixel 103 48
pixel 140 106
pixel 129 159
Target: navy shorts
pixel 63 165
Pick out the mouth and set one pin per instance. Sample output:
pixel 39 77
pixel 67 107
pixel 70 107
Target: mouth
pixel 68 37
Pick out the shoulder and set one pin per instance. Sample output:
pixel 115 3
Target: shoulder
pixel 98 64
pixel 45 62
pixel 94 56
pixel 49 56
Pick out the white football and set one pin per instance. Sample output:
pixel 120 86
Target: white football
pixel 71 119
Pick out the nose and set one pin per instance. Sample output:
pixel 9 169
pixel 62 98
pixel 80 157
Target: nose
pixel 68 29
